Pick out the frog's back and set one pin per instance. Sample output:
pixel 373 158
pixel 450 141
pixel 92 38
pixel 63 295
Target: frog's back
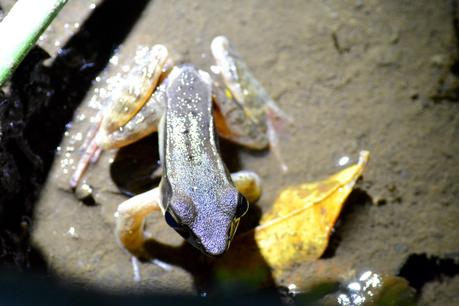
pixel 190 144
pixel 196 184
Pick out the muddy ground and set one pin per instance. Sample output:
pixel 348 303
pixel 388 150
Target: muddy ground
pixel 375 75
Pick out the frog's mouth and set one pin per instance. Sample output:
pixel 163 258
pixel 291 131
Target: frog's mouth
pixel 232 230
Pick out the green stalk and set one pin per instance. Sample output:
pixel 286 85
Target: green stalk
pixel 21 28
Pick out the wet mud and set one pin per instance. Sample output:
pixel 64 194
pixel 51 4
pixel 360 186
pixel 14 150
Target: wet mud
pixel 374 75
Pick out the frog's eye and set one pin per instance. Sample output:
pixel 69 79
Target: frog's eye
pixel 170 220
pixel 182 230
pixel 242 206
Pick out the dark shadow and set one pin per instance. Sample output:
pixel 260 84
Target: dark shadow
pixel 357 198
pixel 40 103
pixel 455 19
pixel 32 289
pixel 420 269
pixel 134 168
pixel 448 83
pixel 230 154
pixel 241 270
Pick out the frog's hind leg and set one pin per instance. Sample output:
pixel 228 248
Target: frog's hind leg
pixel 143 123
pixel 130 217
pixel 251 137
pixel 130 111
pixel 83 163
pixel 276 120
pixel 91 153
pixel 273 139
pixel 248 183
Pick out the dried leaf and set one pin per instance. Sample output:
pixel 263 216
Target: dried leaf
pixel 298 227
pixel 301 220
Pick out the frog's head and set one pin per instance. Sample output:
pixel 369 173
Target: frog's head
pixel 208 221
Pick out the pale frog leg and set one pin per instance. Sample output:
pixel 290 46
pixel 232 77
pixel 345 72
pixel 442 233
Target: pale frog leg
pixel 246 133
pixel 114 126
pixel 248 183
pixel 136 269
pixel 130 217
pixel 90 152
pixel 142 124
pixel 136 88
pixel 87 157
pixel 274 145
pixel 162 264
pixel 274 111
pixel 96 155
pixel 257 129
pixel 91 134
pixel 224 58
pixel 233 123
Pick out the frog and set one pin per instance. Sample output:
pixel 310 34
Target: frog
pixel 187 106
pixel 196 194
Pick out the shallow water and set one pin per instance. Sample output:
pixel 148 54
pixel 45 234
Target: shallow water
pixel 354 75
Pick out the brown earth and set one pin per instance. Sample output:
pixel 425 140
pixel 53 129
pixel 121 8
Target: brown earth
pixel 355 75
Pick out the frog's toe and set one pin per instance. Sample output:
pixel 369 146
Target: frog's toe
pixel 274 145
pixel 248 183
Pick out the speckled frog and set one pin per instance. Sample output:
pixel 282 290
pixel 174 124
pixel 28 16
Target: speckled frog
pixel 197 195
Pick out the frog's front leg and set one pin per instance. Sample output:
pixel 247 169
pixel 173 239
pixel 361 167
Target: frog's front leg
pixel 248 184
pixel 130 218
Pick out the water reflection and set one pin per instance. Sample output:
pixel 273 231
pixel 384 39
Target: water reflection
pixel 360 290
pixel 367 289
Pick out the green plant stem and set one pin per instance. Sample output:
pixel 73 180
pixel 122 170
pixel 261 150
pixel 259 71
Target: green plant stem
pixel 20 29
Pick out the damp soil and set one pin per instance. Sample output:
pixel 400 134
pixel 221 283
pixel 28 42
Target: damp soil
pixel 374 75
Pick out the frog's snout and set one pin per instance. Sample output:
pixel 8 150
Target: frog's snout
pixel 214 235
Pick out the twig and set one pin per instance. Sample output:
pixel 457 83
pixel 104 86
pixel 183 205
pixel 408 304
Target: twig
pixel 20 29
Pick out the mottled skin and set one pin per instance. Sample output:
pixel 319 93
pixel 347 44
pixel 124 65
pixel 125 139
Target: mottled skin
pixel 196 187
pixel 196 194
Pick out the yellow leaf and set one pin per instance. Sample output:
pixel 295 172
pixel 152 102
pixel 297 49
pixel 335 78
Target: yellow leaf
pixel 298 227
pixel 302 217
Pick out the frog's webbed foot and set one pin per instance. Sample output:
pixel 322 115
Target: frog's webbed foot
pixel 248 184
pixel 130 218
